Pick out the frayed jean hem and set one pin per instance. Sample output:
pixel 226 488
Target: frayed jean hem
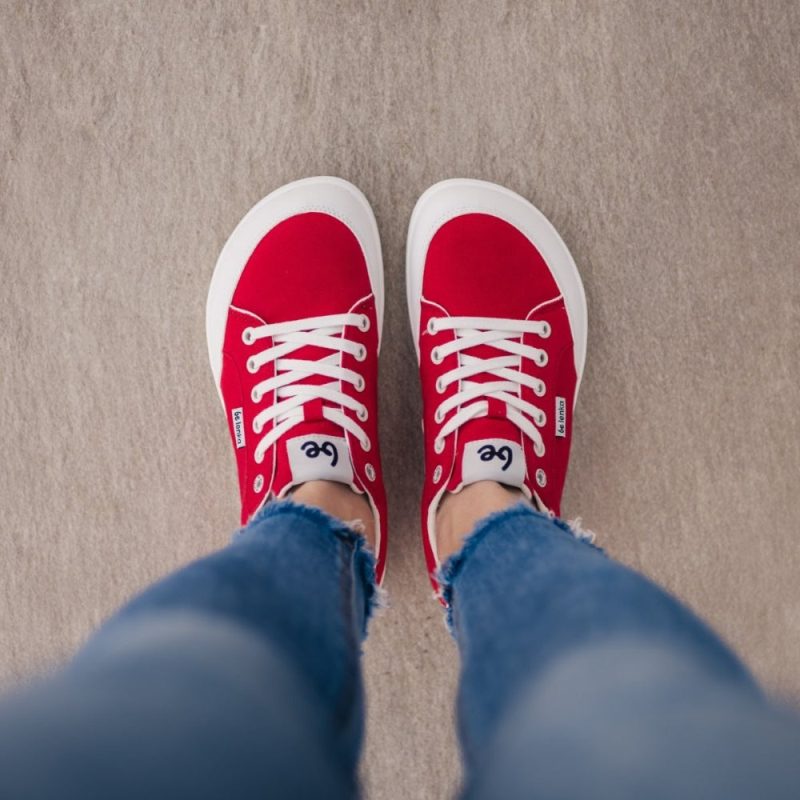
pixel 364 559
pixel 452 567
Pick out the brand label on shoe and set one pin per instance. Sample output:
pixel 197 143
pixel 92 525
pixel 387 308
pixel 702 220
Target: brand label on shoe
pixel 319 458
pixel 498 460
pixel 237 418
pixel 561 417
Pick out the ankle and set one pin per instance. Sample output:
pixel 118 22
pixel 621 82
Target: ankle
pixel 339 501
pixel 459 513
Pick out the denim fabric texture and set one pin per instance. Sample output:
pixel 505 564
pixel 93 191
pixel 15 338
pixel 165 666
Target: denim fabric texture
pixel 581 678
pixel 239 676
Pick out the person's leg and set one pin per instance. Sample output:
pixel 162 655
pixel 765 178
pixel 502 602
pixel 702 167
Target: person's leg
pixel 581 678
pixel 237 676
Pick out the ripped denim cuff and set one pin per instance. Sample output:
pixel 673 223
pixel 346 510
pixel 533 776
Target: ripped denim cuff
pixel 350 532
pixel 452 567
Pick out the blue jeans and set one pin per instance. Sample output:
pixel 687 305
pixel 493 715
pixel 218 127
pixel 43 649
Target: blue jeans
pixel 239 677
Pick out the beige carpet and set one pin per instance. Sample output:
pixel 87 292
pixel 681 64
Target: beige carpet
pixel 660 138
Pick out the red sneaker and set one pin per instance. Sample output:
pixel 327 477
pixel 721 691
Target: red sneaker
pixel 293 323
pixel 498 315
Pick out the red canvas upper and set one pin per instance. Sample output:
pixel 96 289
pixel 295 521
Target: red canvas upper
pixel 478 265
pixel 307 266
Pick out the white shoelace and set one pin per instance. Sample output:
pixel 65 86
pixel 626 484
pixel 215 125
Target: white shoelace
pixel 291 394
pixel 472 398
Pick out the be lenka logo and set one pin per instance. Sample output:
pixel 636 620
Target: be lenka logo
pixel 315 449
pixel 237 416
pixel 561 417
pixel 316 457
pixel 489 452
pixel 493 460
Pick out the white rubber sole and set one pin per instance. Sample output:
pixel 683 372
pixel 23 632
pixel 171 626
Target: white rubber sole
pixel 324 194
pixel 452 198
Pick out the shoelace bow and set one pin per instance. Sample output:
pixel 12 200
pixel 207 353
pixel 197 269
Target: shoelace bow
pixel 472 398
pixel 291 393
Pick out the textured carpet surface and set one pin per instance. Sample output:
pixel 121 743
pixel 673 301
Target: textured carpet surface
pixel 661 138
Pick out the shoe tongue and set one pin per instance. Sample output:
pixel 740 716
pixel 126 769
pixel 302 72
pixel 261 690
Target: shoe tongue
pixel 312 452
pixel 490 451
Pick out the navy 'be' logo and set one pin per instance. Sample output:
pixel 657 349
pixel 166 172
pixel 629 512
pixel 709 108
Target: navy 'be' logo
pixel 313 449
pixel 489 452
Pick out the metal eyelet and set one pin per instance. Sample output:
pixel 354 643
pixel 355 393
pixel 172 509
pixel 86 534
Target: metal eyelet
pixel 540 389
pixel 366 445
pixel 541 477
pixel 440 387
pixel 437 474
pixel 361 354
pixel 546 330
pixel 539 450
pixel 542 359
pixel 370 471
pixel 363 325
pixel 438 416
pixel 255 396
pixel 252 367
pixel 362 414
pixel 541 420
pixel 435 357
pixel 247 336
pixel 360 384
pixel 432 326
pixel 256 427
pixel 258 483
pixel 438 446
